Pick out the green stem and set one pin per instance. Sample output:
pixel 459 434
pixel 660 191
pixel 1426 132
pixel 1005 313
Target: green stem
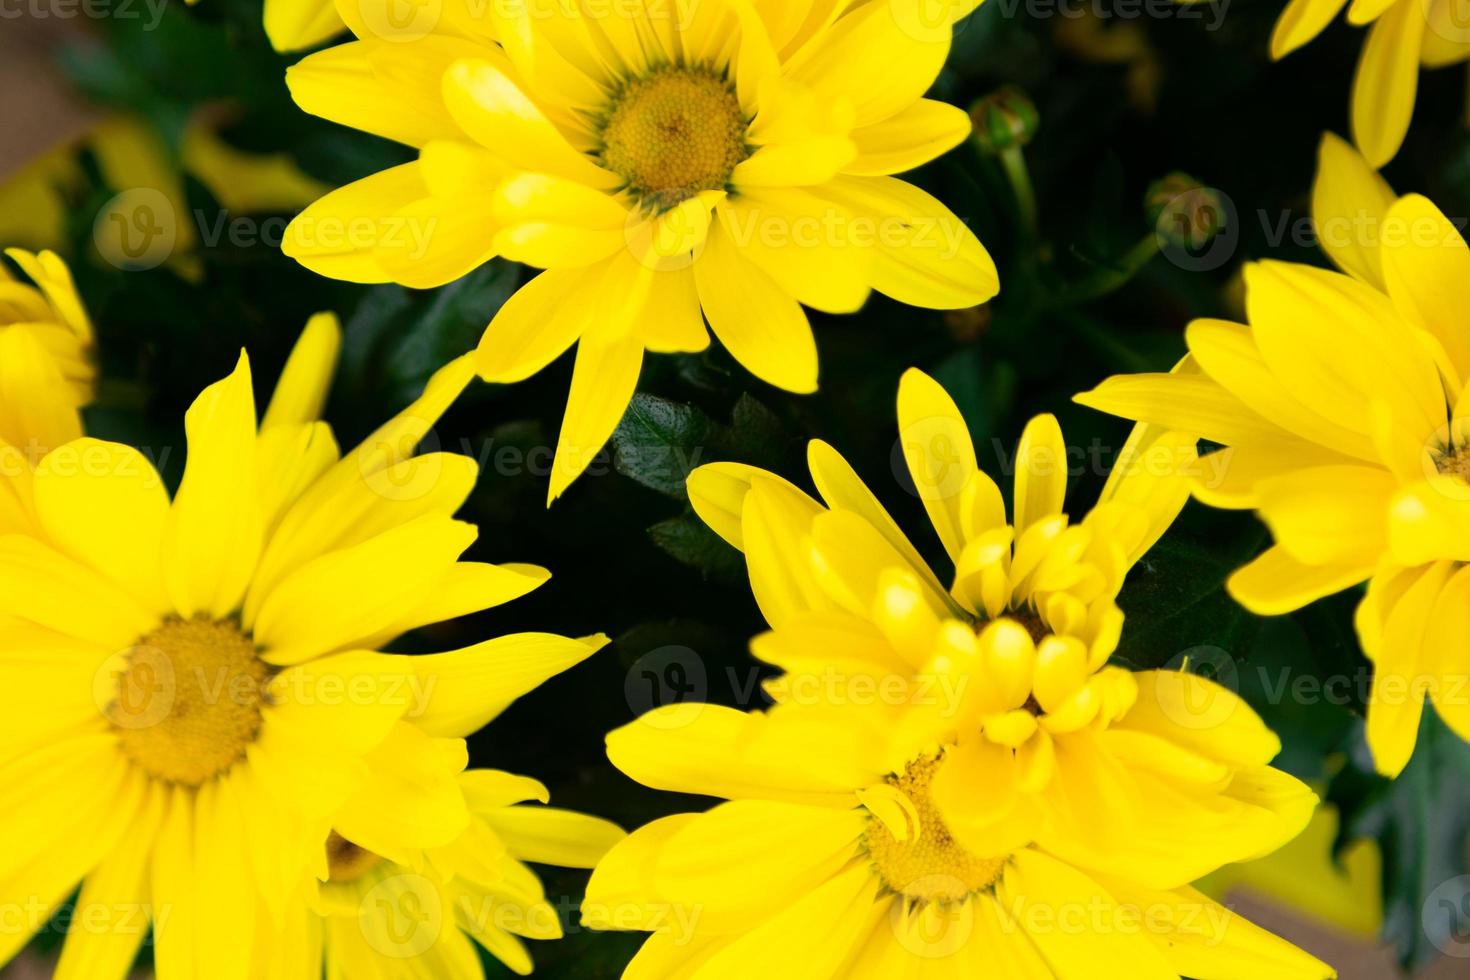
pixel 1110 278
pixel 1013 160
pixel 1100 339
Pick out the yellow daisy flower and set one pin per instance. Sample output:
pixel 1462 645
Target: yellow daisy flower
pixel 192 702
pixel 414 916
pixel 833 859
pixel 1404 36
pixel 1343 408
pixel 668 165
pixel 1008 666
pixel 46 369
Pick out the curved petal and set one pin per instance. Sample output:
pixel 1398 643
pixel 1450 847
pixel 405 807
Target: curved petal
pixel 761 325
pixel 1387 82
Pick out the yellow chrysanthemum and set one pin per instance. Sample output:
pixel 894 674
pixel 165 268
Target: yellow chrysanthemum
pixel 412 916
pixel 150 218
pixel 192 701
pixel 1343 408
pixel 1405 35
pixel 1008 667
pixel 832 861
pixel 46 369
pixel 723 161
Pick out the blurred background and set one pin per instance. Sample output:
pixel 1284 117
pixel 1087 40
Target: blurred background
pixel 190 106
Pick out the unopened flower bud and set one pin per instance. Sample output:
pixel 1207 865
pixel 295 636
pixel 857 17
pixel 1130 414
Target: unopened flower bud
pixel 1184 212
pixel 1004 119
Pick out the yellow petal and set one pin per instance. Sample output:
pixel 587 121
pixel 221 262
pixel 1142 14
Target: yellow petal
pixel 1387 82
pixel 385 88
pixel 1200 938
pixel 213 536
pixel 940 455
pixel 546 835
pixel 302 390
pixel 808 252
pixel 839 66
pixel 1228 354
pixel 1041 472
pixel 466 689
pixel 1190 403
pixel 436 240
pixel 1329 514
pixel 293 25
pixel 743 859
pixel 38 409
pixel 844 490
pixel 925 130
pixel 1300 22
pixel 411 798
pixel 1275 583
pixel 498 115
pixel 1427 272
pixel 336 237
pixel 718 751
pixel 927 256
pixel 1347 199
pixel 345 595
pixel 603 381
pixel 105 504
pixel 1106 949
pixel 761 325
pixel 1396 703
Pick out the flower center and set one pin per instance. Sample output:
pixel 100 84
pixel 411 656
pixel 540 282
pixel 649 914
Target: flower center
pixel 188 704
pixel 673 133
pixel 346 861
pixel 930 866
pixel 1455 462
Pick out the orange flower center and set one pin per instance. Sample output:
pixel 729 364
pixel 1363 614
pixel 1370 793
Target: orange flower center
pixel 188 704
pixel 673 133
pixel 346 861
pixel 931 866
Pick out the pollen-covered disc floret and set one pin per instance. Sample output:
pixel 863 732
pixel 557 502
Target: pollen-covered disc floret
pixel 672 133
pixel 929 865
pixel 347 861
pixel 1454 461
pixel 188 704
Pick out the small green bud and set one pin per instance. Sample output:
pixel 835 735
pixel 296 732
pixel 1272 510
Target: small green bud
pixel 1184 212
pixel 1004 119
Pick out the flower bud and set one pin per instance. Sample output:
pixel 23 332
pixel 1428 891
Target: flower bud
pixel 1004 119
pixel 1184 212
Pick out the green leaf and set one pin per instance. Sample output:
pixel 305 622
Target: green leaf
pixel 687 539
pixel 659 442
pixel 1175 601
pixel 1422 822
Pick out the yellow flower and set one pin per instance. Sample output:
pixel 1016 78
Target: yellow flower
pixel 192 700
pixel 1309 877
pixel 830 862
pixel 295 25
pixel 666 164
pixel 1405 35
pixel 46 369
pixel 1007 668
pixel 1342 405
pixel 409 917
pixel 137 163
